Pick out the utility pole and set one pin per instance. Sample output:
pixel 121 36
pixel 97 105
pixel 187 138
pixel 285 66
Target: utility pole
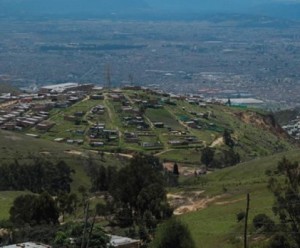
pixel 86 210
pixel 246 221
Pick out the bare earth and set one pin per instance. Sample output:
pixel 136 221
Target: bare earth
pixel 195 201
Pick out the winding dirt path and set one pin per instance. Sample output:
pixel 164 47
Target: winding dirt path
pixel 196 205
pixel 194 201
pixel 164 151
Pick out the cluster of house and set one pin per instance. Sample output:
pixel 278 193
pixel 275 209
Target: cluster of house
pixel 32 110
pixel 21 116
pixel 293 128
pixel 99 135
pixel 184 140
pixel 137 121
pixel 99 109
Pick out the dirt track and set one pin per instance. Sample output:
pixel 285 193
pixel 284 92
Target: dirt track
pixel 195 201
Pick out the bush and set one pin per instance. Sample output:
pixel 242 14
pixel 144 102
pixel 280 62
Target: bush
pixel 279 241
pixel 173 234
pixel 240 216
pixel 262 221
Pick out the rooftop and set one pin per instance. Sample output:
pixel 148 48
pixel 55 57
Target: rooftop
pixel 28 245
pixel 60 86
pixel 116 241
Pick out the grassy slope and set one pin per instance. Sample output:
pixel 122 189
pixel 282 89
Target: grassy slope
pixel 6 200
pixel 13 145
pixel 247 177
pixel 215 225
pixel 253 141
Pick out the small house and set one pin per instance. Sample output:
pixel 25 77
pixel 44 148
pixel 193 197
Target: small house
pixel 159 124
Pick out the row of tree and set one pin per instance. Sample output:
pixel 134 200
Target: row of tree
pixel 224 158
pixel 36 175
pixel 135 199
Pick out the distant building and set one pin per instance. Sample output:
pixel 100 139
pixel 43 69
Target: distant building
pixel 243 101
pixel 97 97
pixel 58 87
pixel 159 124
pixel 45 125
pixel 61 88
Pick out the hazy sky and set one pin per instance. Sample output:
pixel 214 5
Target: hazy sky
pixel 123 7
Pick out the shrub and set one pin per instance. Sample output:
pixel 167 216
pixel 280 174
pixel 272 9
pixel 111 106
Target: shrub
pixel 262 221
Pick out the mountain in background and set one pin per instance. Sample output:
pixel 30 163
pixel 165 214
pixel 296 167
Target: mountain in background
pixel 67 7
pixel 150 9
pixel 273 8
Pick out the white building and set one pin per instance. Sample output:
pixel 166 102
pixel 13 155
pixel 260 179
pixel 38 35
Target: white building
pixel 58 87
pixel 28 245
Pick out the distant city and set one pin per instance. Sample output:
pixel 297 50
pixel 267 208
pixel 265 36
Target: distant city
pixel 255 57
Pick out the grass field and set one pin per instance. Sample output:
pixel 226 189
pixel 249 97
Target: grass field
pixel 216 225
pixel 17 146
pixel 6 200
pixel 162 115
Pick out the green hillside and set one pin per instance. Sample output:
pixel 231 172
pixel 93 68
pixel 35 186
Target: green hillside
pixel 20 147
pixel 216 224
pixel 185 127
pixel 110 130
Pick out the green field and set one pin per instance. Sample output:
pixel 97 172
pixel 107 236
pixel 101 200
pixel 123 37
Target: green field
pixel 216 225
pixel 6 200
pixel 162 115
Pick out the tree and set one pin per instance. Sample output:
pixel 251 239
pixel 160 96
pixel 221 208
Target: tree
pixel 98 239
pixel 34 210
pixel 139 186
pixel 37 175
pixel 175 169
pixel 207 156
pixel 228 139
pixel 66 203
pixel 61 239
pixel 263 222
pixel 102 177
pixel 39 233
pixel 285 185
pixel 173 234
pixel 153 198
pixel 279 240
pixel 229 102
pixel 231 157
pixel 22 210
